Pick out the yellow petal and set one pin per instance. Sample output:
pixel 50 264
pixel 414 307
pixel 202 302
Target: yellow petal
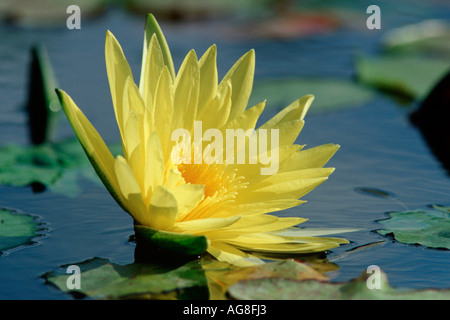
pixel 253 240
pixel 188 197
pixel 153 65
pixel 154 165
pixel 241 76
pixel 131 129
pixel 247 119
pixel 289 131
pixel 163 209
pixel 208 78
pixel 295 111
pixel 173 178
pixel 252 172
pixel 95 148
pixel 292 175
pixel 224 252
pixel 152 28
pixel 215 114
pixel 202 225
pixel 259 206
pixel 134 135
pixel 310 158
pixel 164 112
pixel 118 71
pixel 288 248
pixel 131 191
pixel 264 223
pixel 288 189
pixel 187 86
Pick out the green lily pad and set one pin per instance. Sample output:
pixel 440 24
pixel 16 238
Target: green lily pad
pixel 357 289
pixel 330 94
pixel 428 227
pixel 102 279
pixel 408 77
pixel 16 229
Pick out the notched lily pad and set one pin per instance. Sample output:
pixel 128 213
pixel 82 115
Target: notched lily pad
pixel 429 227
pixel 17 229
pixel 101 279
pixel 357 289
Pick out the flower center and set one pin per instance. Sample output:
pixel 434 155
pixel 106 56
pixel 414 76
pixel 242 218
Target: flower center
pixel 221 186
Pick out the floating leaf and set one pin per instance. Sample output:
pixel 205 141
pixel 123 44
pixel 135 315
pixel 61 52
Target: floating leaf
pixel 330 94
pixel 16 229
pixel 101 279
pixel 408 77
pixel 284 289
pixel 428 227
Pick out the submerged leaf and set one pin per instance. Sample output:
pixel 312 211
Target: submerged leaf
pixel 330 94
pixel 428 227
pixel 16 229
pixel 357 289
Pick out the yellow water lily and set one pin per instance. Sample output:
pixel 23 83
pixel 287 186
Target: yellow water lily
pixel 224 202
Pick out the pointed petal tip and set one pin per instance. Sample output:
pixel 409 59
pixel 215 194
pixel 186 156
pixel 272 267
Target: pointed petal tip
pixel 109 34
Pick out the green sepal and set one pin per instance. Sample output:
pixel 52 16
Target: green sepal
pixel 149 239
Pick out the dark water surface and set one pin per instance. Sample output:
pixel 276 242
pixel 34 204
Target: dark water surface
pixel 379 147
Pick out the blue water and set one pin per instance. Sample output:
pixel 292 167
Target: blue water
pixel 379 147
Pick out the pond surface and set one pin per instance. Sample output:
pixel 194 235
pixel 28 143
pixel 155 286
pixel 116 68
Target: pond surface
pixel 380 148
